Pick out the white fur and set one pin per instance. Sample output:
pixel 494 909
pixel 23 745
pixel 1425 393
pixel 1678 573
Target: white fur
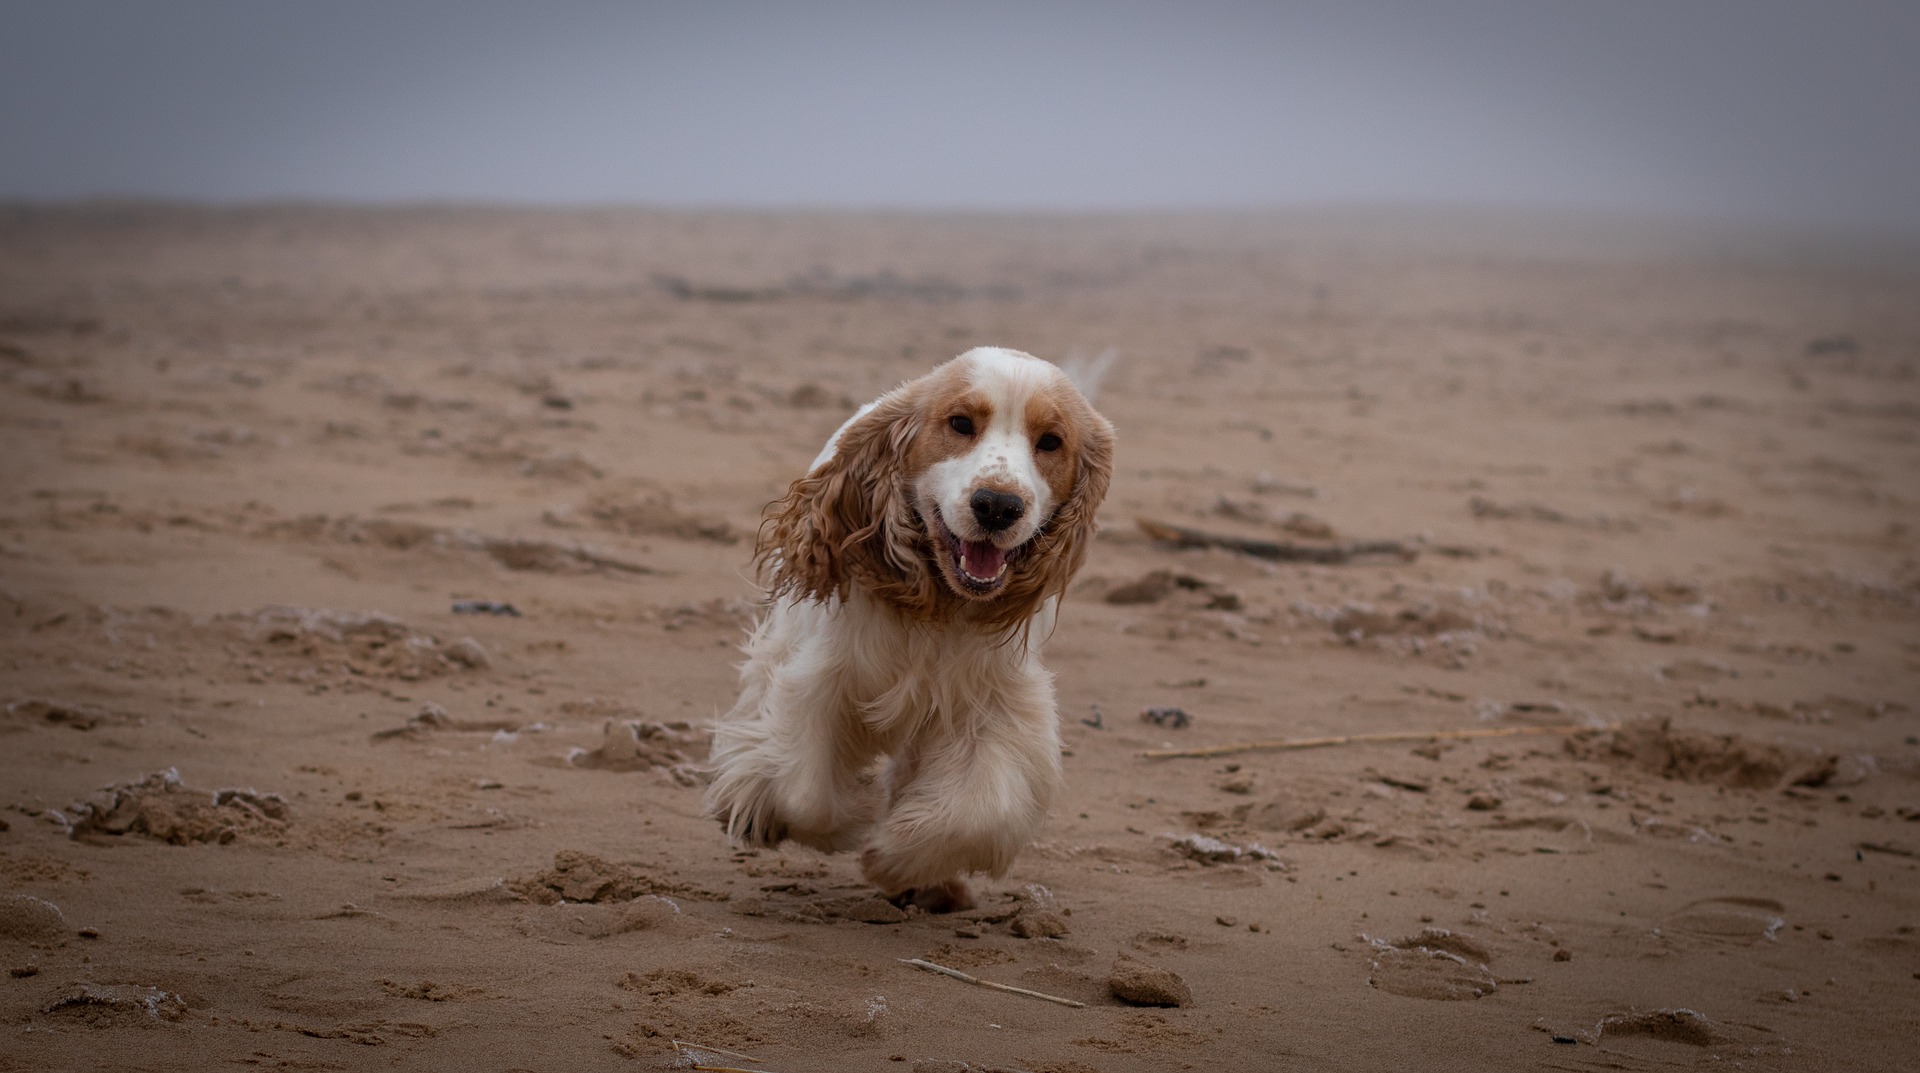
pixel 1002 453
pixel 833 441
pixel 963 717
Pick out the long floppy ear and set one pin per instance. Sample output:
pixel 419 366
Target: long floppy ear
pixel 850 521
pixel 1061 548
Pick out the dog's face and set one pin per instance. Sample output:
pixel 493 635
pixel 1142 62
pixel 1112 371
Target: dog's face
pixel 998 449
pixel 973 485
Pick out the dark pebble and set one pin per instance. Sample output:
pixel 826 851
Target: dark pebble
pixel 1173 718
pixel 485 607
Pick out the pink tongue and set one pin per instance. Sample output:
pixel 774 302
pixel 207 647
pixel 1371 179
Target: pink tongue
pixel 981 559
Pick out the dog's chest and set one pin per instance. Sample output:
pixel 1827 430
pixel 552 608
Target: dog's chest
pixel 908 676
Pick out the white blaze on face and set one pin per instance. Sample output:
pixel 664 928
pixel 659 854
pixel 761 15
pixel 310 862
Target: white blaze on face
pixel 1002 454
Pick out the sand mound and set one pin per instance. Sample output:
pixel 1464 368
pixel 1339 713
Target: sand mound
pixel 1653 745
pixel 358 644
pixel 161 806
pixel 433 718
pixel 102 1005
pixel 1140 984
pixel 26 919
pixel 674 982
pixel 1672 1025
pixel 582 877
pixel 642 746
pixel 56 713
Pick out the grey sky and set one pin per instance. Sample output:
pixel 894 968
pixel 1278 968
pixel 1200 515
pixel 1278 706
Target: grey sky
pixel 1806 112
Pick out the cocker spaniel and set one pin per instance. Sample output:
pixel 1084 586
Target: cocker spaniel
pixel 911 575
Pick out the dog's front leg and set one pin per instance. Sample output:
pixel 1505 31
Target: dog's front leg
pixel 969 802
pixel 787 762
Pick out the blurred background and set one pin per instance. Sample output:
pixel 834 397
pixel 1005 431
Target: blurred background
pixel 1799 114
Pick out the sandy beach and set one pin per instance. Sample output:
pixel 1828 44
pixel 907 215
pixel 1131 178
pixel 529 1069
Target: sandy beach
pixel 368 577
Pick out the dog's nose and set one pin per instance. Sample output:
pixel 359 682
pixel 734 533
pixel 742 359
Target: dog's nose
pixel 996 510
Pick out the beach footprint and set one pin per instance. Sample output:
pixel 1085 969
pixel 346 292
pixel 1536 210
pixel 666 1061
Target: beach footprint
pixel 1435 964
pixel 1728 921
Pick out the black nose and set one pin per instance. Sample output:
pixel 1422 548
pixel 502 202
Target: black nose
pixel 996 510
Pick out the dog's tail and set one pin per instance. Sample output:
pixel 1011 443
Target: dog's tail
pixel 1088 374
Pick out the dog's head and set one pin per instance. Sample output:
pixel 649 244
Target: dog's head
pixel 970 490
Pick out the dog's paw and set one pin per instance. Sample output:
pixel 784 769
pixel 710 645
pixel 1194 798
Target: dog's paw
pixel 941 896
pixel 754 830
pixel 748 817
pixel 952 896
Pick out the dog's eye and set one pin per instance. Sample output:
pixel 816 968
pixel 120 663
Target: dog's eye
pixel 961 423
pixel 1048 442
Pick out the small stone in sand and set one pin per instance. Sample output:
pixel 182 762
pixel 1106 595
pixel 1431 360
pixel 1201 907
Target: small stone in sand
pixel 1039 924
pixel 1175 718
pixel 641 746
pixel 485 607
pixel 1483 802
pixel 468 653
pixel 1145 590
pixel 747 907
pixel 1136 982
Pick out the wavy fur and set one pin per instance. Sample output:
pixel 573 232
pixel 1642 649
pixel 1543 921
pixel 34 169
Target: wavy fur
pixel 878 645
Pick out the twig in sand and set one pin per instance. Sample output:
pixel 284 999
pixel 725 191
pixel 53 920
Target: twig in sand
pixel 1280 551
pixel 1288 744
pixel 978 982
pixel 709 1049
pixel 696 1052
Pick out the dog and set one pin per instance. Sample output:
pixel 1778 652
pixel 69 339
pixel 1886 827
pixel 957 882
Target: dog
pixel 911 575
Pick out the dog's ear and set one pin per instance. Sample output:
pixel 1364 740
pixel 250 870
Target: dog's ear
pixel 1073 524
pixel 1060 549
pixel 850 521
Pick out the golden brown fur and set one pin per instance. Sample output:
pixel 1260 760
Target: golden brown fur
pixel 853 520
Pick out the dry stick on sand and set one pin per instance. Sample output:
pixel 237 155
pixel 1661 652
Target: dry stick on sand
pixel 1280 551
pixel 978 982
pixel 707 1049
pixel 1288 744
pixel 694 1052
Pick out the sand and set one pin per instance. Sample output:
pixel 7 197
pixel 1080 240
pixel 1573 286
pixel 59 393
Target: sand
pixel 271 801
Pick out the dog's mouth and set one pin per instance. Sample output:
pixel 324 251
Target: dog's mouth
pixel 978 567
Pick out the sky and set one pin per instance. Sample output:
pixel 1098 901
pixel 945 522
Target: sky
pixel 1745 110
